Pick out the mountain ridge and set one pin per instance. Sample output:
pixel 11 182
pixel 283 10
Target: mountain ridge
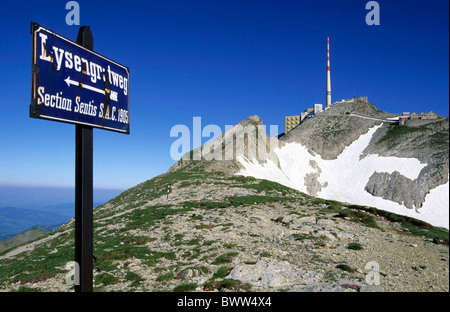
pixel 422 149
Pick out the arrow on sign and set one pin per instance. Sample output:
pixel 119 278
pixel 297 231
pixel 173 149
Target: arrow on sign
pixel 113 94
pixel 76 83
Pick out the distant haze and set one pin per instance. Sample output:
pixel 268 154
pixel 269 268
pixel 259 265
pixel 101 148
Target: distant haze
pixel 38 197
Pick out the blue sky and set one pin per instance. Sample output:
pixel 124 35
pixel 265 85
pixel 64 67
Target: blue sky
pixel 222 61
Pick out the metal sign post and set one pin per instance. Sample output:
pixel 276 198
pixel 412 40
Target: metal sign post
pixel 73 84
pixel 84 190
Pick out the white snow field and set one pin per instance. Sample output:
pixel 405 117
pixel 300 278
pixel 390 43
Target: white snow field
pixel 344 179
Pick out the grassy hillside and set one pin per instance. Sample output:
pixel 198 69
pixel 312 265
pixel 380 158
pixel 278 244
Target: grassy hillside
pixel 212 223
pixel 21 238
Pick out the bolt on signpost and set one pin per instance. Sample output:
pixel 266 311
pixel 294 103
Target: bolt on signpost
pixel 73 84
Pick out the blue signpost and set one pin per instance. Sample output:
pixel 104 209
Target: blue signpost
pixel 73 84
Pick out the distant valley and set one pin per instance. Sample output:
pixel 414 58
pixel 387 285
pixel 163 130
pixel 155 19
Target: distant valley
pixel 14 220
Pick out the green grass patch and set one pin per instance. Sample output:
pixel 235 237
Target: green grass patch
pixel 234 201
pixel 334 205
pixel 267 186
pixel 149 216
pixel 255 199
pixel 137 240
pixel 27 289
pixel 186 287
pixel 225 258
pixel 396 131
pixel 38 262
pixel 222 272
pixel 197 217
pixel 105 279
pixel 360 217
pixel 209 242
pixel 179 236
pixel 206 204
pixel 439 236
pixel 434 139
pixel 134 278
pixel 415 227
pixel 165 277
pixel 226 284
pixel 300 237
pixel 438 139
pixel 355 246
pixel 345 268
pixel 203 226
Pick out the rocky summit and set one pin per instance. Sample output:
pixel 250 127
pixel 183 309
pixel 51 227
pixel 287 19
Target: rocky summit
pixel 245 213
pixel 355 153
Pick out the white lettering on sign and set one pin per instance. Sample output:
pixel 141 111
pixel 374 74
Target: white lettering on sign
pixel 69 60
pixel 113 96
pixel 106 113
pixel 85 108
pixel 123 116
pixel 44 55
pixel 54 100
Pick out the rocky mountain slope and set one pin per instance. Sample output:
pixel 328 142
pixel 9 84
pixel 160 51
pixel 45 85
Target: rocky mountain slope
pixel 330 131
pixel 221 232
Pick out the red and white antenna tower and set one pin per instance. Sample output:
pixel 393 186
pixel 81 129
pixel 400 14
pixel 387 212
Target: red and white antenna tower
pixel 328 74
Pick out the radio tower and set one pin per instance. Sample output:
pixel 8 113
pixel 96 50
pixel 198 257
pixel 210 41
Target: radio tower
pixel 328 74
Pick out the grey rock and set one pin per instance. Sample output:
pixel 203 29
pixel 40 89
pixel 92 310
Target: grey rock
pixel 199 280
pixel 320 288
pixel 327 235
pixel 344 235
pixel 325 222
pixel 341 286
pixel 428 143
pixel 265 273
pixel 303 220
pixel 188 273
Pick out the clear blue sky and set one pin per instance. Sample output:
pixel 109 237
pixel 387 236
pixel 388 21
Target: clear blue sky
pixel 221 60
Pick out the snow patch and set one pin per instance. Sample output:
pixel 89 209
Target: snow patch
pixel 344 178
pixel 436 206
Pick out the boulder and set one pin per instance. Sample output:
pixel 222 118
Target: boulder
pixel 270 274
